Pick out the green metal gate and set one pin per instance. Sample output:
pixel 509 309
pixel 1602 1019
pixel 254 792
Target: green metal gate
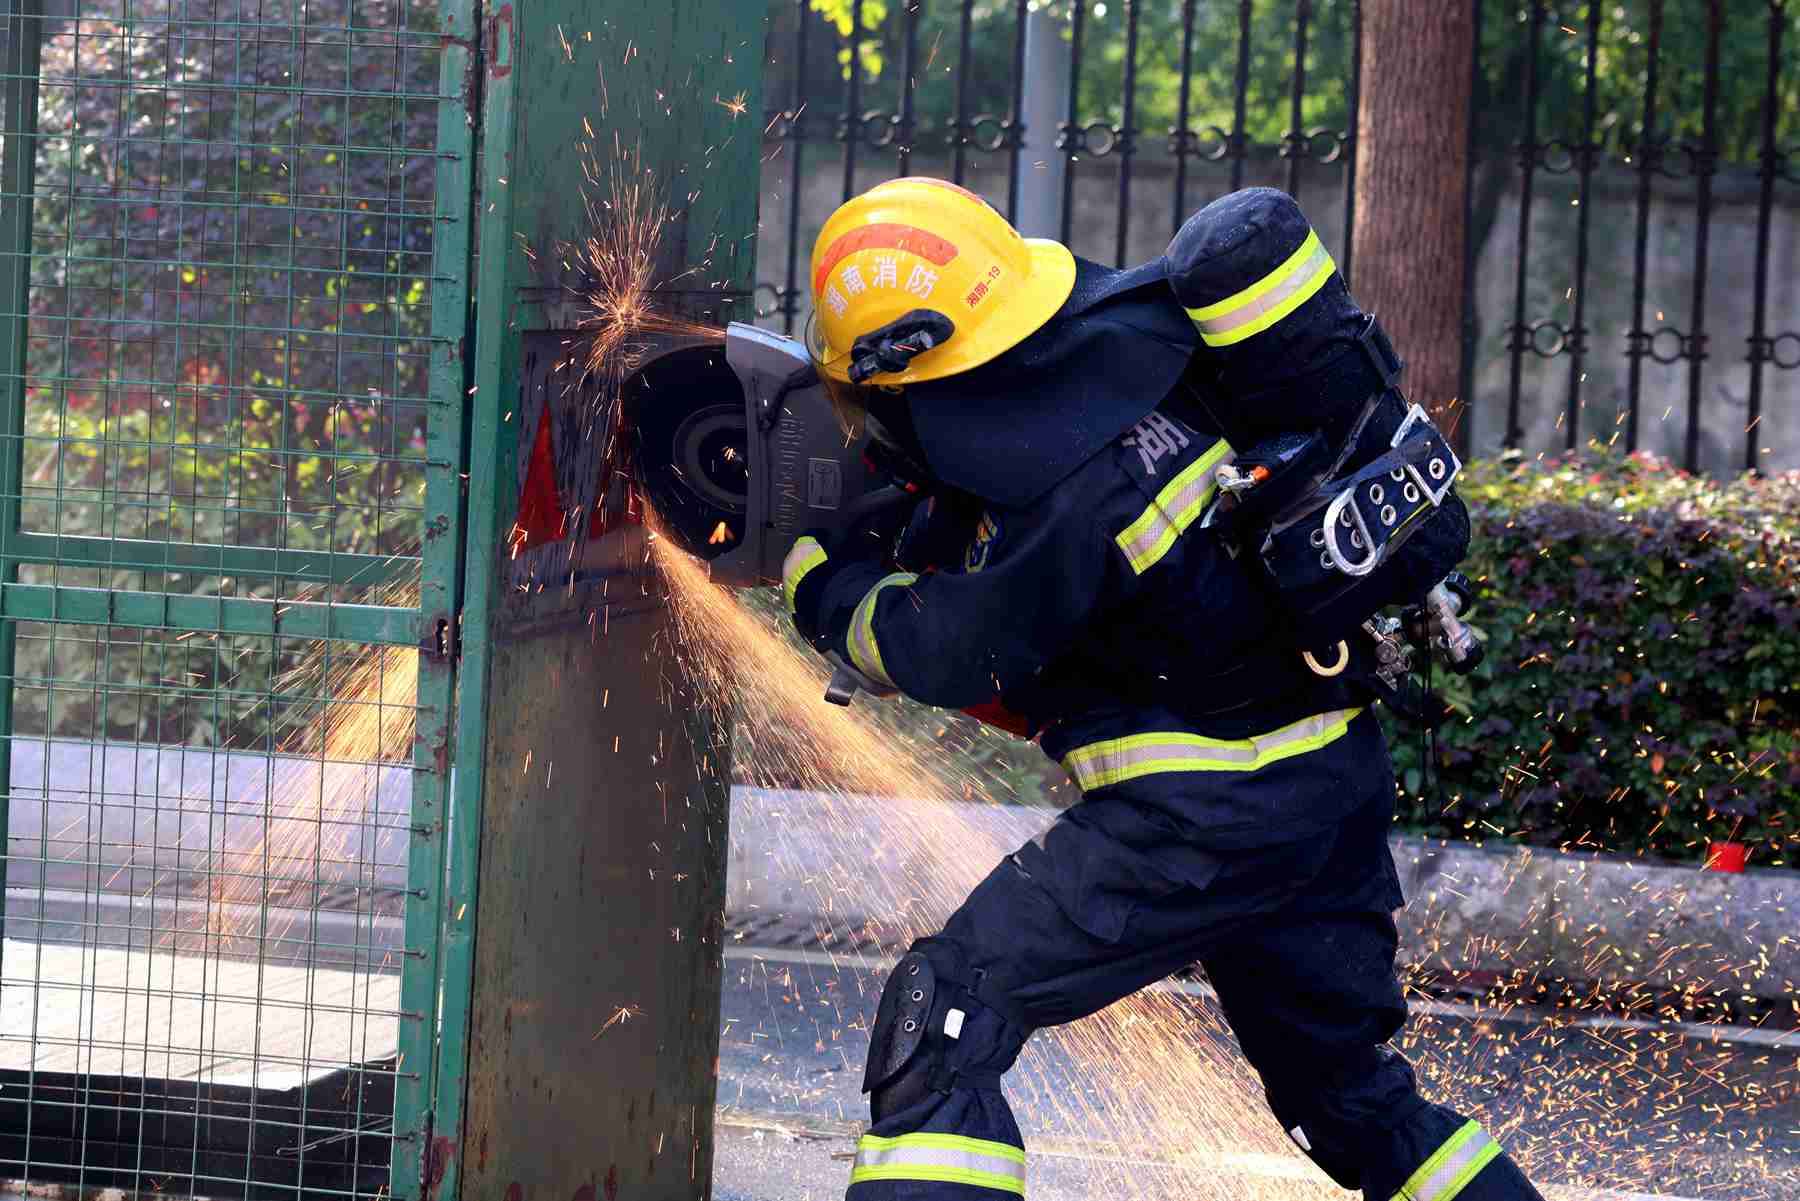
pixel 234 253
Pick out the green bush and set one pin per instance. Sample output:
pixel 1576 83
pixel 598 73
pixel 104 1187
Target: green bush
pixel 1641 691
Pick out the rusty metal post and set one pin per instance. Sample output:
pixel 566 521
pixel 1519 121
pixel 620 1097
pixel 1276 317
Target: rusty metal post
pixel 582 939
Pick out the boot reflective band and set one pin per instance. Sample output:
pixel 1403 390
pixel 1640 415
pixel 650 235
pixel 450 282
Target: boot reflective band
pixel 1176 507
pixel 861 639
pixel 950 1158
pixel 1451 1167
pixel 1269 299
pixel 1116 760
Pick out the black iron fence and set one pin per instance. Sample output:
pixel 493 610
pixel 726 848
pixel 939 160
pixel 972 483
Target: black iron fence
pixel 1634 251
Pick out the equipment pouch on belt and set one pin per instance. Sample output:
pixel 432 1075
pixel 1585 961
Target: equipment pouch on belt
pixel 1340 490
pixel 1377 524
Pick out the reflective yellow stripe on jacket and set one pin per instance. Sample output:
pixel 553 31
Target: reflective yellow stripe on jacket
pixel 861 640
pixel 1100 764
pixel 1269 299
pixel 1451 1167
pixel 951 1158
pixel 1179 504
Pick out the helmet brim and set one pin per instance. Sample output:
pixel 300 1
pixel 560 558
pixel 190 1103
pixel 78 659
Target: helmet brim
pixel 1052 280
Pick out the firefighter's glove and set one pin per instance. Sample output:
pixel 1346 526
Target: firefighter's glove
pixel 805 574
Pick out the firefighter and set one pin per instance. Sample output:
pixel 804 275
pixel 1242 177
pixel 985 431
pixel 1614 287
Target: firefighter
pixel 1066 425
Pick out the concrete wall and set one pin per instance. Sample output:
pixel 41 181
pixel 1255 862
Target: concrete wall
pixel 133 818
pixel 1669 286
pixel 197 851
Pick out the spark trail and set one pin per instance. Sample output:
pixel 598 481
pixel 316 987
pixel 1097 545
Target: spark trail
pixel 1161 1083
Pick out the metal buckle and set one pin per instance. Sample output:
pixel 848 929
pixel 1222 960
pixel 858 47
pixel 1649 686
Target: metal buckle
pixel 1333 512
pixel 1417 416
pixel 1343 661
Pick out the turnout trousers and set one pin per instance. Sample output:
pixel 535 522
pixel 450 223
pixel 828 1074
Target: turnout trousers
pixel 1296 936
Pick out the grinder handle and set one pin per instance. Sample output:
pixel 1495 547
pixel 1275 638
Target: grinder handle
pixel 847 681
pixel 842 688
pixel 863 510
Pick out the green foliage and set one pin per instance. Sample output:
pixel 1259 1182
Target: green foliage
pixel 1620 69
pixel 1621 72
pixel 993 30
pixel 841 14
pixel 228 313
pixel 1641 691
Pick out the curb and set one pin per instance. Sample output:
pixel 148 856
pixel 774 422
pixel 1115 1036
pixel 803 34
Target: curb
pixel 1583 916
pixel 1513 912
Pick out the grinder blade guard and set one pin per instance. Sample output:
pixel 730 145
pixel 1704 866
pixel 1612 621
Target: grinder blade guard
pixel 739 453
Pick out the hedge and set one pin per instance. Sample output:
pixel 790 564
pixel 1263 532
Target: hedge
pixel 1641 691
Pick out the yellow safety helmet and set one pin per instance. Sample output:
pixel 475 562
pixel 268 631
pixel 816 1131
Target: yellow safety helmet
pixel 920 243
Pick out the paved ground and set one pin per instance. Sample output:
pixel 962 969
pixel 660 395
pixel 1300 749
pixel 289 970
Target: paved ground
pixel 1148 1101
pixel 1628 1108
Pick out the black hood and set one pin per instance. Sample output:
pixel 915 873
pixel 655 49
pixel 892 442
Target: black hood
pixel 1014 427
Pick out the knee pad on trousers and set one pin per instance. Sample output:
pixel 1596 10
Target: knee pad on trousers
pixel 1336 1118
pixel 937 1027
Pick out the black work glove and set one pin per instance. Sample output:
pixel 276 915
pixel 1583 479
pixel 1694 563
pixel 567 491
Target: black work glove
pixel 807 575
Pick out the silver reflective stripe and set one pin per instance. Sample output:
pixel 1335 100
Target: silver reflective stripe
pixel 860 640
pixel 950 1158
pixel 1100 764
pixel 1268 300
pixel 802 557
pixel 1451 1167
pixel 1271 300
pixel 1179 504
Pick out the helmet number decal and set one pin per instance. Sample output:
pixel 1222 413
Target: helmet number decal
pixel 980 290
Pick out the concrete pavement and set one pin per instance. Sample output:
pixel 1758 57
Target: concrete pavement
pixel 1597 1113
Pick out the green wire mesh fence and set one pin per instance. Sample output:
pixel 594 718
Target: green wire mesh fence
pixel 233 291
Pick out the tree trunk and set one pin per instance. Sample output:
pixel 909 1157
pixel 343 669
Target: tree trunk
pixel 1411 183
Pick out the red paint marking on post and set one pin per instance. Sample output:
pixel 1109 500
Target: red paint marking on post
pixel 500 53
pixel 437 1163
pixel 515 1192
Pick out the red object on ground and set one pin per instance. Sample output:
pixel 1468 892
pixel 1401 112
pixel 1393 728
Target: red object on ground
pixel 1725 856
